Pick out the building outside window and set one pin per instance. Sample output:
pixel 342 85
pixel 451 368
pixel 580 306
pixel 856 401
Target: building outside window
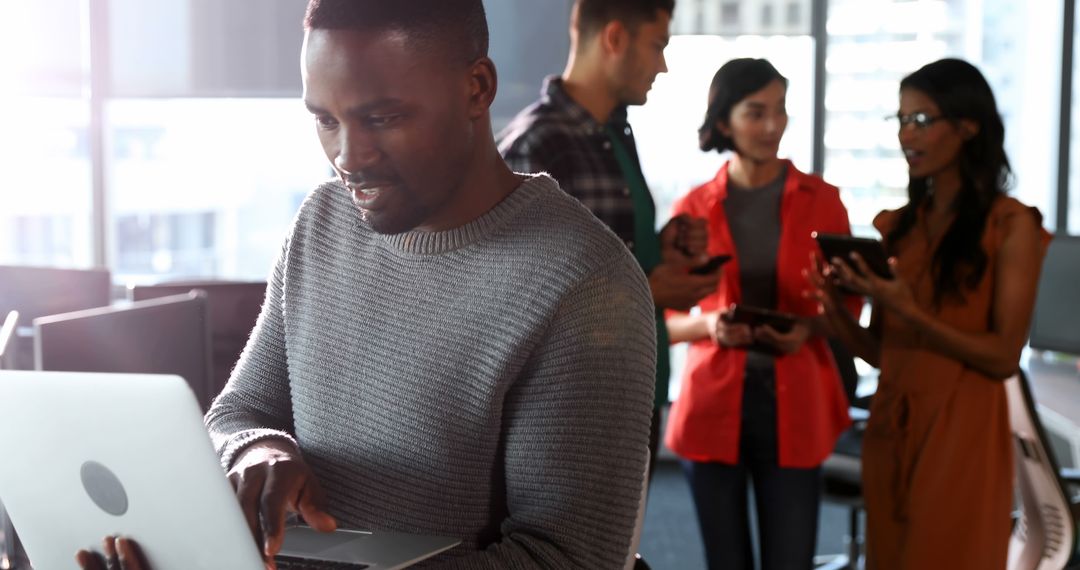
pixel 206 187
pixel 794 13
pixel 729 13
pixel 874 43
pixel 206 156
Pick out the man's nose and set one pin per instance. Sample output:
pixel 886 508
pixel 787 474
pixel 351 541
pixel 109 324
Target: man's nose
pixel 356 152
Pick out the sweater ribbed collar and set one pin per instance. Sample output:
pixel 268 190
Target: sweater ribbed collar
pixel 434 243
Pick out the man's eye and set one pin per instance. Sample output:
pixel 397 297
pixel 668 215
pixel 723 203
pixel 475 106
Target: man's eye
pixel 379 121
pixel 325 122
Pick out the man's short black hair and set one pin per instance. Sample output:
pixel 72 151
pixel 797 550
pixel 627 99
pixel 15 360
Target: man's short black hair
pixel 444 25
pixel 593 15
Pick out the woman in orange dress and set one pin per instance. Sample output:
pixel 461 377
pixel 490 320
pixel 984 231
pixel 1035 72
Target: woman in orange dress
pixel 946 330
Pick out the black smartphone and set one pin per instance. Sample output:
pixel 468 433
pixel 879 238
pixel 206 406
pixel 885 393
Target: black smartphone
pixel 711 265
pixel 842 246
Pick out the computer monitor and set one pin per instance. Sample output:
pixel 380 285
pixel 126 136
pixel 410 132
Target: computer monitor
pixel 169 335
pixel 1057 307
pixel 41 291
pixel 232 306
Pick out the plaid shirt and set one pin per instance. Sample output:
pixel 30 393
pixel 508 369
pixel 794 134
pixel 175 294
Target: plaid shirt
pixel 558 136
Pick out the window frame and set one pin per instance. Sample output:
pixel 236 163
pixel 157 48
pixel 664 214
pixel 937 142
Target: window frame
pixel 99 96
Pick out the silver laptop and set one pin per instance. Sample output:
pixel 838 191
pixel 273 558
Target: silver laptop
pixel 89 455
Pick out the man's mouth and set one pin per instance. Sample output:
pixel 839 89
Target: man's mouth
pixel 366 193
pixel 366 189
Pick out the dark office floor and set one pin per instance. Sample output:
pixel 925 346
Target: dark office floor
pixel 670 539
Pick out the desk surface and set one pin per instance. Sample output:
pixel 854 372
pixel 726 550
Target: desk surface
pixel 1055 382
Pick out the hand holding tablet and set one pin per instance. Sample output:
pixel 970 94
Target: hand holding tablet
pixel 842 246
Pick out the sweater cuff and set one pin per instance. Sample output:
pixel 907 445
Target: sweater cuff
pixel 241 441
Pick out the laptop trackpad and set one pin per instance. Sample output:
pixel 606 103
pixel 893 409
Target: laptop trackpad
pixel 341 545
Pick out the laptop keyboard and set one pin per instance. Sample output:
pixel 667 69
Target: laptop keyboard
pixel 294 563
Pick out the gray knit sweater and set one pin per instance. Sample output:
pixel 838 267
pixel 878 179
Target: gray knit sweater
pixel 492 382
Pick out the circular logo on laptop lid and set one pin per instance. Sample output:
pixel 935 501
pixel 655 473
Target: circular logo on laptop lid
pixel 104 488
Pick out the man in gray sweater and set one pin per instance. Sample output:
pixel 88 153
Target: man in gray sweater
pixel 445 347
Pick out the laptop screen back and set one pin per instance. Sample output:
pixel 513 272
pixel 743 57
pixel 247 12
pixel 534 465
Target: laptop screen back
pixel 91 455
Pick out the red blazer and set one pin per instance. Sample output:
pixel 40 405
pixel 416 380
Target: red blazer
pixel 812 409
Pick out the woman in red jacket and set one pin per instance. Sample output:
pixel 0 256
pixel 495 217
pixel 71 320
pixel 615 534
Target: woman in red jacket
pixel 756 404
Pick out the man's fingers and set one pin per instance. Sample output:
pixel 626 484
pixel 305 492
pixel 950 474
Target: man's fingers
pixel 249 489
pixel 695 235
pixel 280 494
pixel 669 235
pixel 89 560
pixel 311 508
pixel 112 560
pixel 131 556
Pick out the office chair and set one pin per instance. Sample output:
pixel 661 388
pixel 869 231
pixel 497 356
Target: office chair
pixel 232 308
pixel 1044 533
pixel 842 484
pixel 842 471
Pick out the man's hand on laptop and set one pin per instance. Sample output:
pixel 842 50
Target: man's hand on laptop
pixel 271 480
pixel 120 554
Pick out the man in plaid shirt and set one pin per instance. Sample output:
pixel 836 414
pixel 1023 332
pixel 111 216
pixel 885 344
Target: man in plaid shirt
pixel 578 133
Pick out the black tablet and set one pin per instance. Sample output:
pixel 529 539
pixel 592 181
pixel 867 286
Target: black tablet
pixel 842 246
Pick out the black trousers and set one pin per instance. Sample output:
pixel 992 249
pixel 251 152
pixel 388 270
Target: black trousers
pixel 788 500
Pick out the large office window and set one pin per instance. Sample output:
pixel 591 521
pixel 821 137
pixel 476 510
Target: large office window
pixel 1073 214
pixel 873 44
pixel 743 17
pixel 207 153
pixel 209 150
pixel 206 187
pixel 44 119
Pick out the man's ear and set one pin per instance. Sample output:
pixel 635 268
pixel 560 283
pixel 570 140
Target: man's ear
pixel 483 86
pixel 615 38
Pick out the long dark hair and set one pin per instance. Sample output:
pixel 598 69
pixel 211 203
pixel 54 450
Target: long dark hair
pixel 961 93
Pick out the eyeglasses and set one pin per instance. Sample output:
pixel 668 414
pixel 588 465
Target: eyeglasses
pixel 920 120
